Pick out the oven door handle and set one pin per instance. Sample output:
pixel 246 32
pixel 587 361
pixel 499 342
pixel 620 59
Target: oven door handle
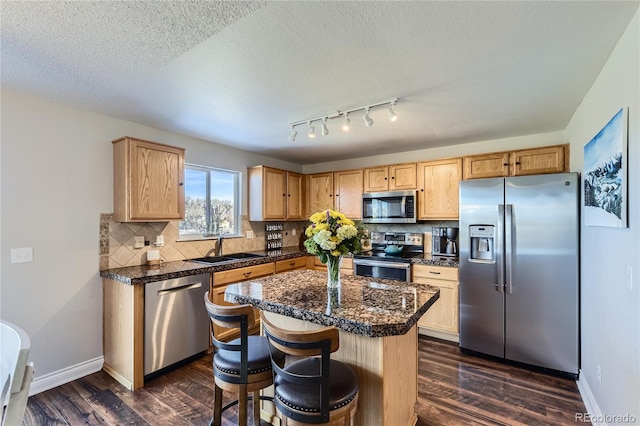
pixel 384 264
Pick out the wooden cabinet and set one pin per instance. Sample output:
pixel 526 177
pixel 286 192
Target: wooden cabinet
pixel 443 317
pixel 319 192
pixel 220 282
pixel 396 177
pixel 148 181
pixel 551 159
pixel 346 267
pixel 348 193
pixel 439 183
pixel 291 264
pixel 341 191
pixel 275 194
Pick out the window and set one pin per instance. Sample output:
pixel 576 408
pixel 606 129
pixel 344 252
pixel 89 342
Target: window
pixel 211 203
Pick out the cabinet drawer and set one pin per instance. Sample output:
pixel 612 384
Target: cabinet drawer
pixel 290 264
pixel 435 272
pixel 347 263
pixel 242 274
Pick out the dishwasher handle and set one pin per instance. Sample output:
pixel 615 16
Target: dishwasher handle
pixel 184 287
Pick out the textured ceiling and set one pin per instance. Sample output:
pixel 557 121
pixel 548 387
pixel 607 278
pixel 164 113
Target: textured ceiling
pixel 237 73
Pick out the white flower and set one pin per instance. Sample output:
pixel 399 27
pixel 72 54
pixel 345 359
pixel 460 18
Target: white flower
pixel 346 232
pixel 323 239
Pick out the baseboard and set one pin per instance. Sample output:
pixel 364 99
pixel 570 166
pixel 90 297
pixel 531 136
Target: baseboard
pixel 66 375
pixel 594 413
pixel 439 334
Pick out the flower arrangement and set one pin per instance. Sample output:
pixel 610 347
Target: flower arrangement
pixel 331 234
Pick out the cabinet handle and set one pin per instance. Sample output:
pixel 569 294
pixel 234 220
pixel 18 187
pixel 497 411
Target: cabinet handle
pixel 434 273
pixel 517 162
pixel 421 189
pixel 292 264
pixel 181 184
pixel 289 195
pixel 505 164
pixel 284 195
pixel 385 178
pixel 337 195
pixel 393 177
pixel 246 274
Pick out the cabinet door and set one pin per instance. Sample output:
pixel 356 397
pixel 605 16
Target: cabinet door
pixel 538 161
pixel 295 196
pixel 443 315
pixel 376 179
pixel 148 181
pixel 348 191
pixel 439 182
pixel 274 194
pixel 319 192
pixel 486 166
pixel 402 177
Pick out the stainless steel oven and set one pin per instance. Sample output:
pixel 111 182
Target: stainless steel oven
pixel 390 256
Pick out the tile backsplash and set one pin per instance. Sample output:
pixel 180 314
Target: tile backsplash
pixel 116 241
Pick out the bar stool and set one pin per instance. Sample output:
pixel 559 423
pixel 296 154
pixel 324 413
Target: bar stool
pixel 314 389
pixel 242 365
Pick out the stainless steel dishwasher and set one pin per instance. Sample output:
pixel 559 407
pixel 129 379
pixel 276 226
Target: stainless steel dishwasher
pixel 176 323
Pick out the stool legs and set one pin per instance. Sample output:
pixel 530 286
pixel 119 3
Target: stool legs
pixel 242 405
pixel 256 408
pixel 217 406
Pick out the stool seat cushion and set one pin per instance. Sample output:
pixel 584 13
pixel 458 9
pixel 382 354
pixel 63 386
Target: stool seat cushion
pixel 228 361
pixel 343 386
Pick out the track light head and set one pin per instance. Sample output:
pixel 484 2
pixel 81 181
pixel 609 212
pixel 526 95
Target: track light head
pixel 347 123
pixel 312 131
pixel 323 126
pixel 294 133
pixel 392 112
pixel 367 120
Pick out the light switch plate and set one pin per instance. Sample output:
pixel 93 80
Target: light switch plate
pixel 159 241
pixel 22 255
pixel 249 234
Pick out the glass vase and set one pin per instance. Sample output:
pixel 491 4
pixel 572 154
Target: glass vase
pixel 333 271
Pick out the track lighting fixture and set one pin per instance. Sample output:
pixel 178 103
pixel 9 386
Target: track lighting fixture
pixel 325 129
pixel 346 124
pixel 367 120
pixel 392 112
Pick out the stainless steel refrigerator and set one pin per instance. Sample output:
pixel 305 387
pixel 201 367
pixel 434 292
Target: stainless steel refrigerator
pixel 519 269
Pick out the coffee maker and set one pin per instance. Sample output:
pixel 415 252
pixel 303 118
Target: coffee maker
pixel 444 241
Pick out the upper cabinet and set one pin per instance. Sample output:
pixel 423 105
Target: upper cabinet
pixel 438 183
pixel 396 177
pixel 341 191
pixel 319 192
pixel 148 181
pixel 348 193
pixel 551 159
pixel 275 194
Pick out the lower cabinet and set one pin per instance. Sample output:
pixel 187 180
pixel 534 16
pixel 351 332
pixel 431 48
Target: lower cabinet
pixel 346 268
pixel 219 284
pixel 442 319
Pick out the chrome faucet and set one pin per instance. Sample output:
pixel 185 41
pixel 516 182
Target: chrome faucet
pixel 219 246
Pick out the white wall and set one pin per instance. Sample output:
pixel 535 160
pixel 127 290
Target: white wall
pixel 56 179
pixel 610 310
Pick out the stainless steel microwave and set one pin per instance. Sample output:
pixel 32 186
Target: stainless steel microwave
pixel 390 207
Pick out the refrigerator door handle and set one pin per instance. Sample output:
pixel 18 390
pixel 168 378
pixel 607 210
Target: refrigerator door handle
pixel 509 234
pixel 499 251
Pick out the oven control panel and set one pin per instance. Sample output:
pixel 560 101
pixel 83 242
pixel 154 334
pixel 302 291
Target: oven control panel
pixel 397 238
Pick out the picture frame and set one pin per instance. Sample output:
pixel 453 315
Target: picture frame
pixel 605 174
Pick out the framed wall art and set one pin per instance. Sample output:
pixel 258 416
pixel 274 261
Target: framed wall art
pixel 605 175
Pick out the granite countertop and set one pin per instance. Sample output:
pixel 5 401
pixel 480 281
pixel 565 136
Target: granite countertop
pixel 369 307
pixel 428 259
pixel 181 268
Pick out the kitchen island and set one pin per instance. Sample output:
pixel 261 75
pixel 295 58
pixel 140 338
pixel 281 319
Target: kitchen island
pixel 378 333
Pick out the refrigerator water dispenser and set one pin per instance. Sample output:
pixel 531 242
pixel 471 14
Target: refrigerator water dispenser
pixel 482 243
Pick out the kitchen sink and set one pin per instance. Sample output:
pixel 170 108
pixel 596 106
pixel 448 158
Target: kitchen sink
pixel 244 255
pixel 226 258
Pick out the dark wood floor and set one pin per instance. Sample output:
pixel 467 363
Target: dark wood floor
pixel 453 389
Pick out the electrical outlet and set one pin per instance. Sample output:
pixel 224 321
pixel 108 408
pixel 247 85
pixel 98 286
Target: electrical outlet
pixel 159 241
pixel 22 255
pixel 599 375
pixel 293 231
pixel 138 242
pixel 629 277
pixel 249 234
